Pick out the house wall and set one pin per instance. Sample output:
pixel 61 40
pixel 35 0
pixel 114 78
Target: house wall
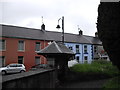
pixel 11 52
pixel 81 55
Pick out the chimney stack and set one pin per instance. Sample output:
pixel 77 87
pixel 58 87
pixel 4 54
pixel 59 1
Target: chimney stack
pixel 42 27
pixel 80 32
pixel 96 34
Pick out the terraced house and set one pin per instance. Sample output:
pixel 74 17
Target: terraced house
pixel 20 44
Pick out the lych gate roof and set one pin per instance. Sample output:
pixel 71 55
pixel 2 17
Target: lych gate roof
pixel 29 33
pixel 55 48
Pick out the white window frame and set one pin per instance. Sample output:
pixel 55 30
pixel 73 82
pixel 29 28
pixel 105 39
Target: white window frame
pixel 36 47
pixel 85 49
pixel 2 45
pixel 23 46
pixel 77 49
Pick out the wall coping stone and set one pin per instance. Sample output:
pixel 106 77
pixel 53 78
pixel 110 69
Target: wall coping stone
pixel 25 74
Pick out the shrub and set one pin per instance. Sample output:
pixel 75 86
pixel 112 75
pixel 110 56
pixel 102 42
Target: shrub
pixel 96 67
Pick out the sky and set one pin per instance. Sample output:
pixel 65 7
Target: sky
pixel 28 13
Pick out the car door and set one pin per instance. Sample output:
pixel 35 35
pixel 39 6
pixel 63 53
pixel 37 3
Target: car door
pixel 18 68
pixel 11 68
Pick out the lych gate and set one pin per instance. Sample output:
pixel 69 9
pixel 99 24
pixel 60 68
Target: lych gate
pixel 58 55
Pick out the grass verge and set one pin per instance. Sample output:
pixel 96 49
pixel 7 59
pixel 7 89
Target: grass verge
pixel 113 83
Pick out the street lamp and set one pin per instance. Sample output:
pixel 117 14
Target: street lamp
pixel 58 27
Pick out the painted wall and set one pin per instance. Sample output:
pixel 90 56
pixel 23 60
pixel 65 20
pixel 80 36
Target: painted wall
pixel 11 53
pixel 80 56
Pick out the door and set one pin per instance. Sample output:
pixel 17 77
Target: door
pixel 19 67
pixel 11 68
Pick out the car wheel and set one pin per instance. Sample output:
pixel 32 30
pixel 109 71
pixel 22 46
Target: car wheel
pixel 22 71
pixel 3 72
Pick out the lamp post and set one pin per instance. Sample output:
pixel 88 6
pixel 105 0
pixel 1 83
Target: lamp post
pixel 58 27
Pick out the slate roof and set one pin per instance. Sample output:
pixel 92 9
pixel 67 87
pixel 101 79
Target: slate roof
pixel 93 40
pixel 21 32
pixel 30 33
pixel 56 48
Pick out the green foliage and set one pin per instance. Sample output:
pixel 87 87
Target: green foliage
pixel 113 83
pixel 96 67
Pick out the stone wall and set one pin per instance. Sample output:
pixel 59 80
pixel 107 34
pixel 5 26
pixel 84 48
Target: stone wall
pixel 108 26
pixel 31 79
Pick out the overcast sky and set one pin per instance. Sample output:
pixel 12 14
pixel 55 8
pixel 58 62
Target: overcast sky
pixel 28 13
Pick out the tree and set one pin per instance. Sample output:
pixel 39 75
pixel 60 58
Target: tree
pixel 108 26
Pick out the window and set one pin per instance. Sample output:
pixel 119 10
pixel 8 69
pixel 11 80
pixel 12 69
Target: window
pixel 20 59
pixel 71 48
pixel 85 58
pixel 12 65
pixel 37 60
pixel 2 45
pixel 95 49
pixel 19 65
pixel 85 49
pixel 21 45
pixel 77 58
pixel 2 61
pixel 77 49
pixel 37 46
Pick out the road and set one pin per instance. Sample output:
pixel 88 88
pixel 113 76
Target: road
pixel 85 84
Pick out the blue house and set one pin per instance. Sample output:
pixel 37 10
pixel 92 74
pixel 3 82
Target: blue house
pixel 84 52
pixel 85 47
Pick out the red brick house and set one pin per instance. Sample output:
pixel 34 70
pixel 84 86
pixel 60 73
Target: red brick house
pixel 18 48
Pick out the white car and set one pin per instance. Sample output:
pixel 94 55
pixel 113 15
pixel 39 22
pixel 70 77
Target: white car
pixel 13 68
pixel 72 63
